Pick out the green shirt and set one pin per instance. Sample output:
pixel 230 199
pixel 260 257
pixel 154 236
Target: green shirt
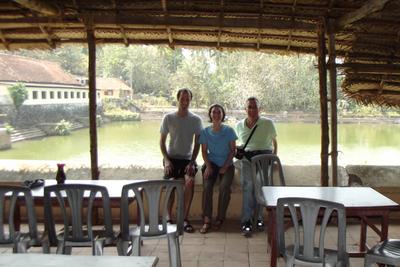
pixel 262 137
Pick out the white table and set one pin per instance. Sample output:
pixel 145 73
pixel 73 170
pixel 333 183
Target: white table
pixel 360 202
pixel 56 260
pixel 114 187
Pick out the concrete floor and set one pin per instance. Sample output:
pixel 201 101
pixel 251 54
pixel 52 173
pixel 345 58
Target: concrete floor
pixel 227 248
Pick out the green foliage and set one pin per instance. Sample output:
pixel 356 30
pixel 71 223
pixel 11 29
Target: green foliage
pixel 143 101
pixel 118 114
pixel 282 83
pixel 63 127
pixel 18 93
pixel 9 128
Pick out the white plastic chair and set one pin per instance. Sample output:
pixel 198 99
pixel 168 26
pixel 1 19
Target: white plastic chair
pixel 308 247
pixel 9 236
pixel 77 202
pixel 386 252
pixel 262 167
pixel 153 224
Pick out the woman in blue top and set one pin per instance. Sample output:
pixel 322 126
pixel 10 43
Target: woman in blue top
pixel 218 145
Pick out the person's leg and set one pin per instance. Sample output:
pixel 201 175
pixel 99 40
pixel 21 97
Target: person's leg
pixel 171 176
pixel 248 197
pixel 247 191
pixel 224 196
pixel 188 197
pixel 208 189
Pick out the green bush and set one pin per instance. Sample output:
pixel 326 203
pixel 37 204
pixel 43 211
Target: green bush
pixel 117 114
pixel 9 128
pixel 63 128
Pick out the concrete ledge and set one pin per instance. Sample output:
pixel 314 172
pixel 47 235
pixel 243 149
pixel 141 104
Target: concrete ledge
pixel 382 178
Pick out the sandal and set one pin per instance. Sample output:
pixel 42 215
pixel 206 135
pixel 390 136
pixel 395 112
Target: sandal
pixel 206 227
pixel 187 227
pixel 218 223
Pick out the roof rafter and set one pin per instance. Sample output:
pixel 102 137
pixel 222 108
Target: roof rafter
pixel 39 6
pixel 369 7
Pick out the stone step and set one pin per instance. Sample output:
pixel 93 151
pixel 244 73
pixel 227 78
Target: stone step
pixel 22 134
pixel 30 133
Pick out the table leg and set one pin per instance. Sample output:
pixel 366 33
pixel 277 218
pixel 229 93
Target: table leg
pixel 385 226
pixel 363 235
pixel 272 236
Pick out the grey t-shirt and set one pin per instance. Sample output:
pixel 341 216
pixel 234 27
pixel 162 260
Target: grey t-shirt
pixel 181 132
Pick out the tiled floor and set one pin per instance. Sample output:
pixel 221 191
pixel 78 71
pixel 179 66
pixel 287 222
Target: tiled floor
pixel 227 248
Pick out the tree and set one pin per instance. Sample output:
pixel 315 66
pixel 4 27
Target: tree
pixel 18 95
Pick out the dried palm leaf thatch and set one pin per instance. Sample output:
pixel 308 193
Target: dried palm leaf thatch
pixel 366 32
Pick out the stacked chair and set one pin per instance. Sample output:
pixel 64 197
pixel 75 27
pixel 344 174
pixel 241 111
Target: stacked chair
pixel 155 195
pixel 262 167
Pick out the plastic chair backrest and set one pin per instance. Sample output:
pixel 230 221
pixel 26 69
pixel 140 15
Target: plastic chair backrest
pixel 154 195
pixel 307 211
pixel 262 167
pixel 76 202
pixel 14 194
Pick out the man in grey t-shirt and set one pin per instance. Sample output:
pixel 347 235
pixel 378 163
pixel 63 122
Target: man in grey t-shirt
pixel 183 128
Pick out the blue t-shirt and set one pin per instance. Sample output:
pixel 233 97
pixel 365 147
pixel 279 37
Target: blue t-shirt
pixel 218 143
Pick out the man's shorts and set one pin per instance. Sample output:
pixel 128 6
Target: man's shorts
pixel 178 168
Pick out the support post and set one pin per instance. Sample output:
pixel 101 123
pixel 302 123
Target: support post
pixel 92 103
pixel 333 101
pixel 323 104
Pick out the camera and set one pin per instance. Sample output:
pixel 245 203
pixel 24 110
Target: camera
pixel 239 152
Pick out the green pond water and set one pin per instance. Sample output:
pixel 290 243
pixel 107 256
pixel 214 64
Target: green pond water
pixel 136 143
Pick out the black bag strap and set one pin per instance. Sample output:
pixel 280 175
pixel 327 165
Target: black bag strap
pixel 251 134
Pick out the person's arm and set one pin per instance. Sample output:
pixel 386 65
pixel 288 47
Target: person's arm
pixel 275 143
pixel 196 148
pixel 208 169
pixel 229 159
pixel 163 148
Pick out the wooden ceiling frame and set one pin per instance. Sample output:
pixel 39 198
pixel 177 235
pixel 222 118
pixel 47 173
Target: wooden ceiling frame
pixel 168 27
pixel 4 40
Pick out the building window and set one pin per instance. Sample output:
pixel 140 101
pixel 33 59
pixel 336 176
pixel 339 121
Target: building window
pixel 65 94
pixel 59 95
pixel 78 94
pixel 83 94
pixel 72 95
pixel 44 94
pixel 108 92
pixel 51 95
pixel 34 95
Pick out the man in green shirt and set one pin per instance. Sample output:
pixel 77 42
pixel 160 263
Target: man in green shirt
pixel 263 141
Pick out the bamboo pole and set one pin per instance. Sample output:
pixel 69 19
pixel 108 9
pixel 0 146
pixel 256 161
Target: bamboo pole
pixel 92 104
pixel 324 105
pixel 333 101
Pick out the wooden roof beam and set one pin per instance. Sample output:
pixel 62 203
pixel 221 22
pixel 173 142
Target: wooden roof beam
pixel 39 6
pixel 166 16
pixel 292 21
pixel 368 8
pixel 48 36
pixel 260 17
pixel 4 40
pixel 221 18
pixel 371 68
pixel 123 33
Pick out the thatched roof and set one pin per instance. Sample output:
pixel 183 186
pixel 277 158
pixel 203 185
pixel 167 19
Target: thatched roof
pixel 367 33
pixel 29 70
